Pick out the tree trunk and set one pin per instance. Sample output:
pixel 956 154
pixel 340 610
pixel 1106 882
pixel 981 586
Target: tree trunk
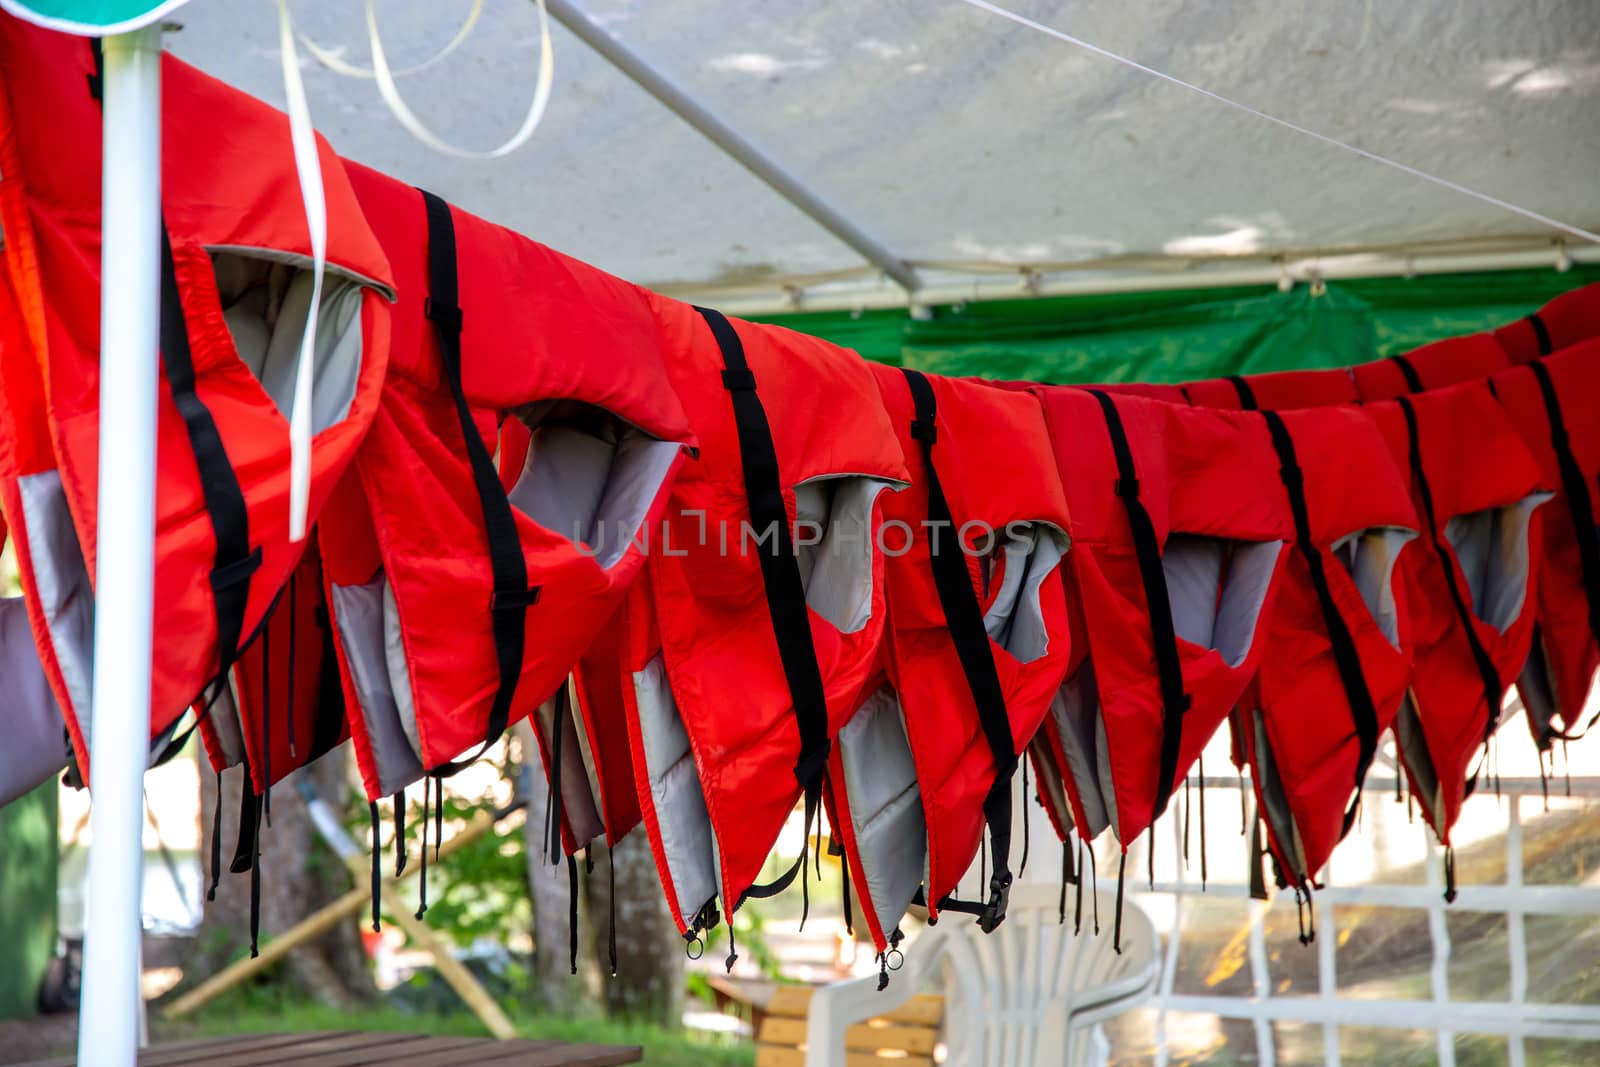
pixel 556 989
pixel 649 982
pixel 299 875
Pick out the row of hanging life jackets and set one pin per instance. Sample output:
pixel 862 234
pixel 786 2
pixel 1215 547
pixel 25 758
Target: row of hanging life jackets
pixel 723 568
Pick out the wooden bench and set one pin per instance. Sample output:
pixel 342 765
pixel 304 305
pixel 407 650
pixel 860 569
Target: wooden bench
pixel 375 1049
pixel 903 1038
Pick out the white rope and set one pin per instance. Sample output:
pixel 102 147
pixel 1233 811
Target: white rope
pixel 391 94
pixel 308 165
pixel 1446 183
pixel 334 61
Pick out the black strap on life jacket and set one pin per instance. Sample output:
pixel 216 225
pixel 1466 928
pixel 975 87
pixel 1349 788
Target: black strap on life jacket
pixel 1541 334
pixel 1580 507
pixel 1169 667
pixel 1363 712
pixel 1492 686
pixel 234 562
pixel 511 596
pixel 780 576
pixel 1409 372
pixel 963 617
pixel 1247 395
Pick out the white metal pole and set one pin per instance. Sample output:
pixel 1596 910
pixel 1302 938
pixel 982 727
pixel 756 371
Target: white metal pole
pixel 108 1030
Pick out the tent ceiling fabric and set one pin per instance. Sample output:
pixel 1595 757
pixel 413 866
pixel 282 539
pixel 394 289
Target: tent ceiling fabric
pixel 969 145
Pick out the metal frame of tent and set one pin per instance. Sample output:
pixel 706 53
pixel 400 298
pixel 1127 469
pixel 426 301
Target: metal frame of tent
pixel 111 1009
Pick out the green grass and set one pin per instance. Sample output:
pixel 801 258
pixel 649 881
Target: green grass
pixel 257 1012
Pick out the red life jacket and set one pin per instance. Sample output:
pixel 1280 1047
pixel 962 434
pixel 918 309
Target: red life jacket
pixel 1469 582
pixel 1572 317
pixel 1172 394
pixel 235 283
pixel 1337 658
pixel 976 647
pixel 1175 563
pixel 754 652
pixel 1552 402
pixel 1433 366
pixel 462 607
pixel 1277 391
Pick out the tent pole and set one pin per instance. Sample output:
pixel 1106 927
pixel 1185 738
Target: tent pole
pixel 108 1028
pixel 783 181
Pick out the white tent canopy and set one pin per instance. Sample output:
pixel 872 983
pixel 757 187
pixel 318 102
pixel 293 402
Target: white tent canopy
pixel 986 154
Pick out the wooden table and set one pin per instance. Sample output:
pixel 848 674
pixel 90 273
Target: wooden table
pixel 349 1049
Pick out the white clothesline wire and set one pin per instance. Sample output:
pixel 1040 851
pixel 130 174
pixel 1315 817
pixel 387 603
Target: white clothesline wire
pixel 1446 183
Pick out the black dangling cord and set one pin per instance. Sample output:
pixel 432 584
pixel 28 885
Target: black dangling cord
pixel 1399 796
pixel 1022 867
pixel 216 841
pixel 611 931
pixel 1094 890
pixel 1411 810
pixel 1116 928
pixel 805 882
pixel 1066 871
pixel 1566 765
pixel 733 949
pixel 844 872
pixel 572 913
pixel 1494 750
pixel 1150 854
pixel 1187 807
pixel 588 860
pixel 1300 913
pixel 883 971
pixel 438 816
pixel 1544 782
pixel 377 871
pixel 1244 810
pixel 983 861
pixel 553 808
pixel 399 801
pixel 1202 770
pixel 266 720
pixel 255 889
pixel 1077 904
pixel 422 872
pixel 1449 874
pixel 1310 934
pixel 289 714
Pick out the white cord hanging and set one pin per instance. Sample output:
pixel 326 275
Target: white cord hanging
pixel 391 94
pixel 1404 168
pixel 336 63
pixel 308 166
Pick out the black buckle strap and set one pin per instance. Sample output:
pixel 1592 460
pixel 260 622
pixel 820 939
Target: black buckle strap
pixel 1363 712
pixel 1580 507
pixel 1541 334
pixel 780 568
pixel 1169 667
pixel 1409 371
pixel 963 617
pixel 511 595
pixel 1493 688
pixel 1247 395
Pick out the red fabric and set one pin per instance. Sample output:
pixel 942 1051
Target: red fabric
pixel 1572 317
pixel 1474 460
pixel 715 631
pixel 1200 472
pixel 996 467
pixel 1565 653
pixel 1352 485
pixel 1440 364
pixel 1278 391
pixel 532 332
pixel 228 180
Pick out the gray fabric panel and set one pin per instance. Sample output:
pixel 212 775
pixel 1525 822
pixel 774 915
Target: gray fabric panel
pixel 1015 620
pixel 1194 568
pixel 578 805
pixel 681 817
pixel 1275 803
pixel 594 488
pixel 885 805
pixel 359 611
pixel 1413 750
pixel 837 569
pixel 35 745
pixel 589 773
pixel 394 664
pixel 62 581
pixel 1049 776
pixel 1492 548
pixel 1108 781
pixel 1540 701
pixel 224 718
pixel 1369 557
pixel 265 304
pixel 1076 710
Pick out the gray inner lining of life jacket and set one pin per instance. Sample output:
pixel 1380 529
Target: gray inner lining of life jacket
pixel 579 788
pixel 590 476
pixel 880 778
pixel 62 579
pixel 265 299
pixel 35 747
pixel 836 560
pixel 360 623
pixel 1217 596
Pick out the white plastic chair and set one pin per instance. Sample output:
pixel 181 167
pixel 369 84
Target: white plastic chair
pixel 1029 994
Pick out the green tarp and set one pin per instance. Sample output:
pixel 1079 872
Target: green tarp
pixel 1182 335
